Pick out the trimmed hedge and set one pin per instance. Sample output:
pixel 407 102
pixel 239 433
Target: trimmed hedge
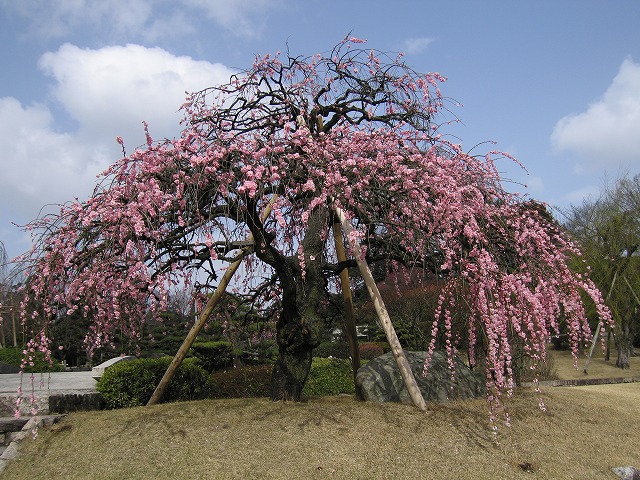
pixel 368 350
pixel 130 384
pixel 371 350
pixel 338 349
pixel 13 356
pixel 329 376
pixel 213 355
pixel 242 382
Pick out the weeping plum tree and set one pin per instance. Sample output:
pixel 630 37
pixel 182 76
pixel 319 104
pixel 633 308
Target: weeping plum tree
pixel 354 129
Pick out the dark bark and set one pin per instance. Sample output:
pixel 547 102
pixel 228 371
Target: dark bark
pixel 290 373
pixel 300 323
pixel 625 347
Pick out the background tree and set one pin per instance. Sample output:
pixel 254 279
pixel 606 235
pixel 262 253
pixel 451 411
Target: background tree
pixel 3 255
pixel 411 301
pixel 354 129
pixel 608 230
pixel 8 303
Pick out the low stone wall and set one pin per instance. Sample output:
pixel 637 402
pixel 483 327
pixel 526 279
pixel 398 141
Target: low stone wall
pixel 53 403
pixel 75 402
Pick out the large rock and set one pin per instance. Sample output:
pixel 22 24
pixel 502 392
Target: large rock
pixel 627 473
pixel 380 379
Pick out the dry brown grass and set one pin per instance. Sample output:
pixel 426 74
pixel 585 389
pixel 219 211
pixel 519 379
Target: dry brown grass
pixel 598 367
pixel 583 434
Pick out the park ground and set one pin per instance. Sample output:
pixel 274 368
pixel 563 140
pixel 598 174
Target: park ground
pixel 584 432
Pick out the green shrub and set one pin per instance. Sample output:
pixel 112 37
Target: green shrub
pixel 13 356
pixel 332 349
pixel 131 383
pixel 370 350
pixel 213 355
pixel 329 376
pixel 261 353
pixel 242 382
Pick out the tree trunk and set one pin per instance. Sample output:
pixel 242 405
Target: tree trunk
pixel 301 320
pixel 625 346
pixel 296 339
pixel 290 374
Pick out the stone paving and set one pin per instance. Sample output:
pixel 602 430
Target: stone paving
pixel 44 385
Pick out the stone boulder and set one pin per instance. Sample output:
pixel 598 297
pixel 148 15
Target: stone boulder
pixel 627 473
pixel 380 379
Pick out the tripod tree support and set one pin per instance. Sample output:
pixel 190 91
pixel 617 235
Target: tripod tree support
pixel 383 315
pixel 205 314
pixel 349 322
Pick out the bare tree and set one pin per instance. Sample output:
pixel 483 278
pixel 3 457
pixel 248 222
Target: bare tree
pixel 608 230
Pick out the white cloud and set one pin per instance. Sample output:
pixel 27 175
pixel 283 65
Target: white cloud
pixel 107 92
pixel 39 165
pixel 417 45
pixel 608 132
pixel 58 19
pixel 111 91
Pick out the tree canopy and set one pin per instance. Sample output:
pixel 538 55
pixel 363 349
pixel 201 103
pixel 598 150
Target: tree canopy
pixel 356 129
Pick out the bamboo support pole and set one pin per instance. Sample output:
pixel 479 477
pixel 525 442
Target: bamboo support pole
pixel 385 320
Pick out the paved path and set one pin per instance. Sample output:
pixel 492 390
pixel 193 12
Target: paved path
pixel 45 385
pixel 56 382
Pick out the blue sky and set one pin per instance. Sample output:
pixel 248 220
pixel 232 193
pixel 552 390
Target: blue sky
pixel 556 83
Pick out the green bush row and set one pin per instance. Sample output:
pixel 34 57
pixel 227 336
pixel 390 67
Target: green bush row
pixel 13 356
pixel 213 355
pixel 328 376
pixel 131 383
pixel 242 382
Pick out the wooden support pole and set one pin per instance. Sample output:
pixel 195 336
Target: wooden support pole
pixel 385 320
pixel 349 322
pixel 205 313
